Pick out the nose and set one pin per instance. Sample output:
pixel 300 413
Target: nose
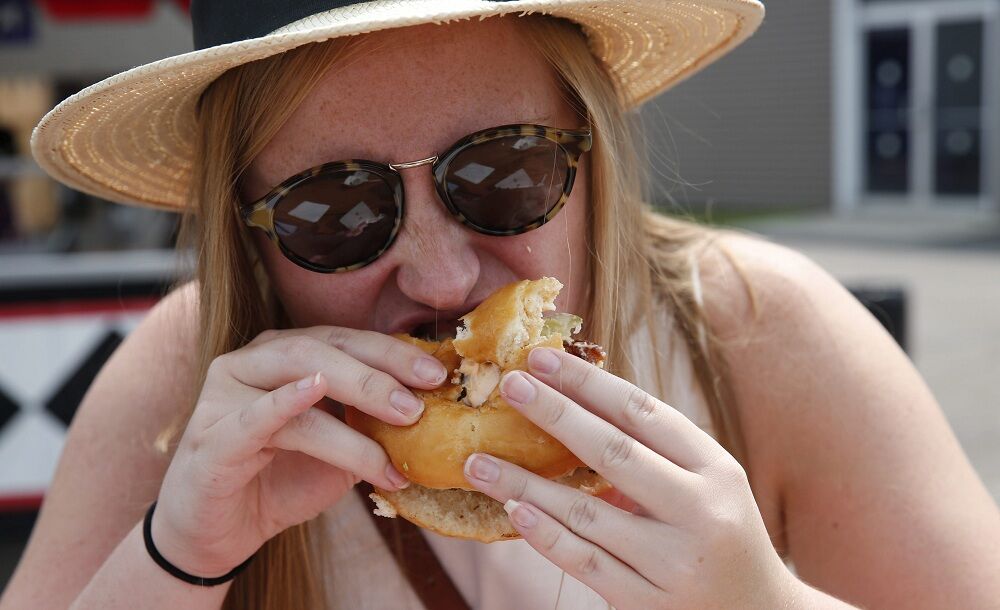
pixel 437 264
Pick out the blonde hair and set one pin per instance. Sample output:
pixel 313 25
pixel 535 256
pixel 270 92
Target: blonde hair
pixel 242 110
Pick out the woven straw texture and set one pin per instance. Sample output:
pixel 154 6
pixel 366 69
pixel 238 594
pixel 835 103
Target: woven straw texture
pixel 129 138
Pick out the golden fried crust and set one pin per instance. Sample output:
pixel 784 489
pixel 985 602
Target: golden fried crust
pixel 432 452
pixel 488 321
pixel 519 360
pixel 502 319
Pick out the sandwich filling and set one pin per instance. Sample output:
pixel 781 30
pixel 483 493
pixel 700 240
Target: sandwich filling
pixel 478 380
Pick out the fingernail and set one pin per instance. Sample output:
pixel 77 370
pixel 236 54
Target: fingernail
pixel 482 468
pixel 517 388
pixel 543 360
pixel 429 370
pixel 406 403
pixel 309 382
pixel 396 477
pixel 520 514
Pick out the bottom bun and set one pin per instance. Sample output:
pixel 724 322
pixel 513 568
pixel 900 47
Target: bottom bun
pixel 467 514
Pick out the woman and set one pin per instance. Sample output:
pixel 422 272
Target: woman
pixel 830 451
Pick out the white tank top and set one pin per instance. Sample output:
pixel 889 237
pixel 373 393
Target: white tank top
pixel 500 575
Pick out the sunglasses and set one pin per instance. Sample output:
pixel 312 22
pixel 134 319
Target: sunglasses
pixel 343 215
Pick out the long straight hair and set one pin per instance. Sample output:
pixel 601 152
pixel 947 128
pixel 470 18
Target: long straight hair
pixel 640 261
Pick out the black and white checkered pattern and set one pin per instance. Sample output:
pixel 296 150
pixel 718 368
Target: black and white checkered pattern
pixel 47 362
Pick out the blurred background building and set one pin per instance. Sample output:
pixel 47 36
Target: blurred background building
pixel 864 132
pixel 844 105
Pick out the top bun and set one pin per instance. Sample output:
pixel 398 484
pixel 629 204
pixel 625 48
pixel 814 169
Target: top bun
pixel 468 415
pixel 508 321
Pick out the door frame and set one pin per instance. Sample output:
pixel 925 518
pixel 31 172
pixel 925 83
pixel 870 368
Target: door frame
pixel 851 21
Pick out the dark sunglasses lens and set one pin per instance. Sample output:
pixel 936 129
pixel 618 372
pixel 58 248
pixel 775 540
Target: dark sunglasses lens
pixel 338 219
pixel 508 183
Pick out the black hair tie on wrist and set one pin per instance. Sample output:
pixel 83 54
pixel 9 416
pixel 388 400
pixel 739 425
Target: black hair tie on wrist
pixel 147 536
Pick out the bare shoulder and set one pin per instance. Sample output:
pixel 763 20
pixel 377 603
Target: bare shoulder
pixel 109 470
pixel 752 285
pixel 792 335
pixel 844 437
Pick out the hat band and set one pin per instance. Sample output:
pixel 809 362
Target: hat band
pixel 217 22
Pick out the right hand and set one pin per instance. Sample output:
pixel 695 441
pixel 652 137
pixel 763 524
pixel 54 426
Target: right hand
pixel 259 455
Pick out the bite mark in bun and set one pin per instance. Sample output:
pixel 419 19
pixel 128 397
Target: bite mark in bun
pixel 467 415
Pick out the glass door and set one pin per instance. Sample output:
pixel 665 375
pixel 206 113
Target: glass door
pixel 888 117
pixel 929 92
pixel 958 109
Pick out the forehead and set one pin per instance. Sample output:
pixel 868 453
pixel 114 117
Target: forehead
pixel 411 91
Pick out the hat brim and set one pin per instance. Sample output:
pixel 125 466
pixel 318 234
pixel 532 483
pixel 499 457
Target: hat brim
pixel 129 138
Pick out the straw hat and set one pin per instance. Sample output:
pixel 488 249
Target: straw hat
pixel 129 138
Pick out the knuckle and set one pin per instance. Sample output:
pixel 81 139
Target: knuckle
pixel 370 458
pixel 584 373
pixel 553 414
pixel 267 335
pixel 246 418
pixel 582 514
pixel 368 382
pixel 518 487
pixel 338 337
pixel 726 472
pixel 589 563
pixel 551 541
pixel 737 474
pixel 395 351
pixel 295 346
pixel 308 422
pixel 640 407
pixel 219 365
pixel 618 452
pixel 725 526
pixel 723 520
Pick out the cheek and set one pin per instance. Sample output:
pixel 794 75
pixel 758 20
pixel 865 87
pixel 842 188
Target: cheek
pixel 313 299
pixel 557 249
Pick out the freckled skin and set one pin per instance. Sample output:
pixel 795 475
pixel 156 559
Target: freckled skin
pixel 419 90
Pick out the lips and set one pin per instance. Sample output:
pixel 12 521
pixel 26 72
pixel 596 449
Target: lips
pixel 436 330
pixel 432 324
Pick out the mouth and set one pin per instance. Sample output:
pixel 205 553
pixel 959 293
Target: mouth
pixel 432 324
pixel 436 330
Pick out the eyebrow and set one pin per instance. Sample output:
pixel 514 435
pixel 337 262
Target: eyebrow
pixel 538 119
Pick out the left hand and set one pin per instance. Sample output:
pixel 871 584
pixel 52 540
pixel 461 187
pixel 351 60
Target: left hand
pixel 696 538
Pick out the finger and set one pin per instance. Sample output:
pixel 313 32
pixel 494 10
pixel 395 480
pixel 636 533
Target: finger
pixel 585 561
pixel 274 363
pixel 404 361
pixel 665 489
pixel 250 428
pixel 637 413
pixel 324 437
pixel 638 542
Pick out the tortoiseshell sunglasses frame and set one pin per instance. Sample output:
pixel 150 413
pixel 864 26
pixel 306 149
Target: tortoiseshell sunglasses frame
pixel 574 142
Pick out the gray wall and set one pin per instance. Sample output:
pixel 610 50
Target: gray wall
pixel 754 128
